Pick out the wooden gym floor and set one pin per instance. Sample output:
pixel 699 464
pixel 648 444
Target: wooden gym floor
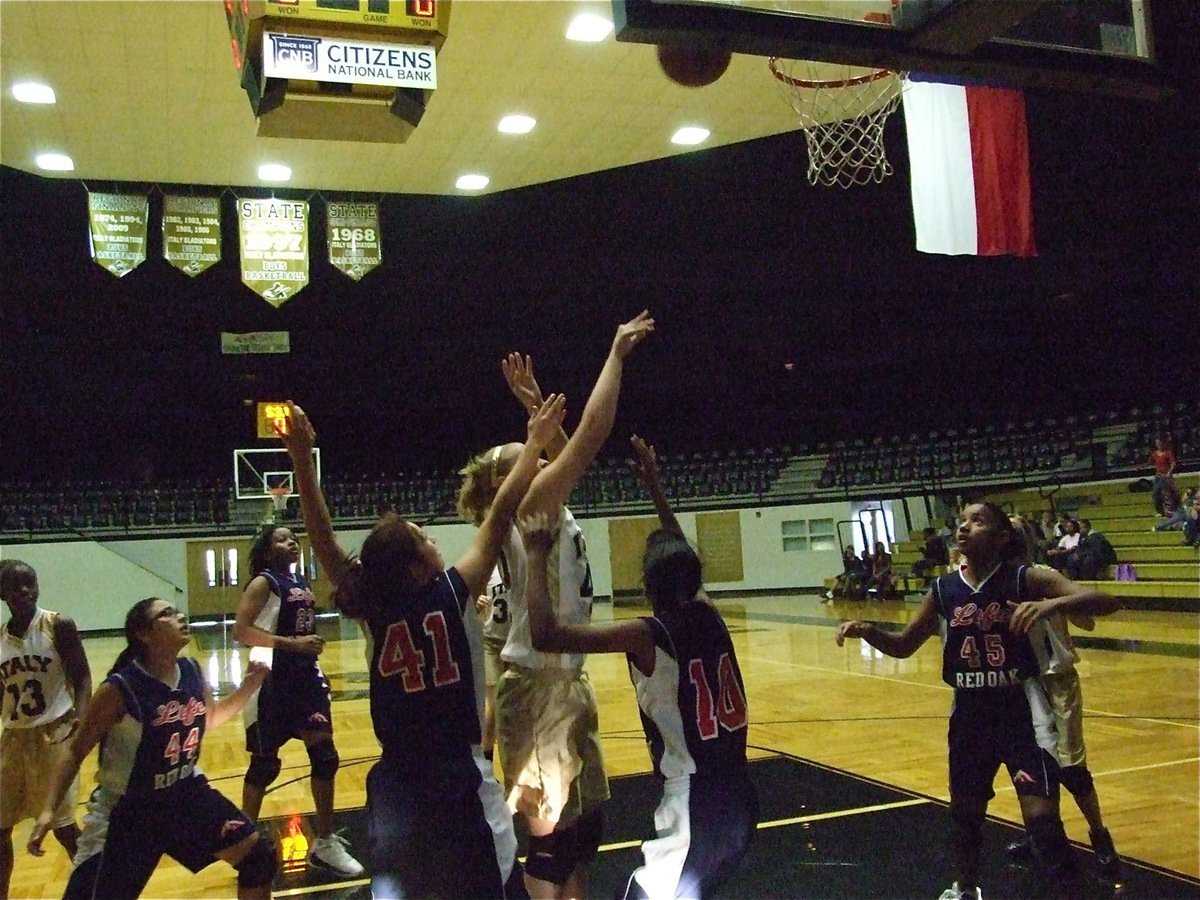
pixel 850 760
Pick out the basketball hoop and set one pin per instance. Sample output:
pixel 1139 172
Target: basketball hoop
pixel 842 118
pixel 279 499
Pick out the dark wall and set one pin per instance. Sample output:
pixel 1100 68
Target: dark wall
pixel 745 265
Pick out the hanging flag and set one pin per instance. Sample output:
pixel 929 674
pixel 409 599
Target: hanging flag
pixel 191 232
pixel 117 230
pixel 353 237
pixel 274 247
pixel 968 148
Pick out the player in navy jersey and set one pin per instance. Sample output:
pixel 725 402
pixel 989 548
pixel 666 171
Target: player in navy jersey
pixel 277 619
pixel 149 717
pixel 985 612
pixel 429 834
pixel 691 696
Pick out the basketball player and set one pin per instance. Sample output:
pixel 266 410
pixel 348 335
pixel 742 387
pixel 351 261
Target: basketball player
pixel 47 684
pixel 985 612
pixel 692 700
pixel 1056 660
pixel 149 717
pixel 547 726
pixel 277 618
pixel 432 831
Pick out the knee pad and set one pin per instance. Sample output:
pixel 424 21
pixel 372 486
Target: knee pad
pixel 1077 780
pixel 257 868
pixel 263 770
pixel 582 837
pixel 1049 839
pixel 546 861
pixel 324 759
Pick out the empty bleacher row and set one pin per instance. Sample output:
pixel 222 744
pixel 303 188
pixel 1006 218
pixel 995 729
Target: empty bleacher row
pixel 1071 448
pixel 63 506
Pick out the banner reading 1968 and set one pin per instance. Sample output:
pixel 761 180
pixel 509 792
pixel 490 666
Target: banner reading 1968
pixel 274 247
pixel 191 232
pixel 354 246
pixel 117 224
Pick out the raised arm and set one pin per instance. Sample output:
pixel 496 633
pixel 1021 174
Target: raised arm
pixel 476 564
pixel 300 439
pixel 645 466
pixel 1053 593
pixel 902 644
pixel 518 374
pixel 221 711
pixel 105 710
pixel 632 636
pixel 553 485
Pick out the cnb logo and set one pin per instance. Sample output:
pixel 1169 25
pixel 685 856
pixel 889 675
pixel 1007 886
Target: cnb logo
pixel 295 52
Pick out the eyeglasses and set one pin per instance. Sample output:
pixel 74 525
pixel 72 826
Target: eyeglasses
pixel 167 613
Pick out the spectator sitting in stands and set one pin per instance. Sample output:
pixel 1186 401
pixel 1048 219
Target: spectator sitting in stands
pixel 1162 459
pixel 1092 556
pixel 880 580
pixel 850 583
pixel 934 556
pixel 1191 524
pixel 1060 528
pixel 1057 555
pixel 1172 510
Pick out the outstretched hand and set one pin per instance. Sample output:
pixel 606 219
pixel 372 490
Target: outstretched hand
pixel 546 420
pixel 538 531
pixel 631 333
pixel 644 462
pixel 518 375
pixel 849 630
pixel 299 437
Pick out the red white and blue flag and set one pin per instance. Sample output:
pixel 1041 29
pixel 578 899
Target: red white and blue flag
pixel 968 147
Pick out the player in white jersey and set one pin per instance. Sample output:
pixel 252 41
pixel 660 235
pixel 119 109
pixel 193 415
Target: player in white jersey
pixel 692 700
pixel 547 726
pixel 46 684
pixel 1056 655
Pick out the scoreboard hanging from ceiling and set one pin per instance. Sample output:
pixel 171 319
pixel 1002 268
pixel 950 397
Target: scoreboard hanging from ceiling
pixel 427 17
pixel 309 102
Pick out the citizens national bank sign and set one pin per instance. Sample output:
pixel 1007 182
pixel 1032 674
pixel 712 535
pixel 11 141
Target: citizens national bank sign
pixel 348 61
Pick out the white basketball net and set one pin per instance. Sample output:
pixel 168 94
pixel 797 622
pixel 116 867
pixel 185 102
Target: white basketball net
pixel 842 118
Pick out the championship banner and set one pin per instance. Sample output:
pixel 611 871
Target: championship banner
pixel 117 224
pixel 273 235
pixel 191 232
pixel 254 342
pixel 353 238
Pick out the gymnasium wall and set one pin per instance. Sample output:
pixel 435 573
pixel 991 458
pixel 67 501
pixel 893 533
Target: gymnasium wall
pixel 95 582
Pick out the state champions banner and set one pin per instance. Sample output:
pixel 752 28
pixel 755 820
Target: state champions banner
pixel 273 238
pixel 353 238
pixel 117 225
pixel 191 229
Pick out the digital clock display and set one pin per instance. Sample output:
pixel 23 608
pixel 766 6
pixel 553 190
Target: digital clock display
pixel 272 418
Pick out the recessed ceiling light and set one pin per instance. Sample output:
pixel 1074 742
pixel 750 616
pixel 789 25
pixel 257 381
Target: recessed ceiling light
pixel 55 162
pixel 471 182
pixel 274 172
pixel 690 135
pixel 588 27
pixel 516 125
pixel 32 92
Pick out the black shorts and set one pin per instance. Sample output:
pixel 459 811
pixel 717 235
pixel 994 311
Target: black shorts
pixel 993 727
pixel 289 704
pixel 191 825
pixel 429 836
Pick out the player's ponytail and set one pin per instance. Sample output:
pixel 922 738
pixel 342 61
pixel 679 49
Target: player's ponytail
pixel 136 620
pixel 671 569
pixel 382 571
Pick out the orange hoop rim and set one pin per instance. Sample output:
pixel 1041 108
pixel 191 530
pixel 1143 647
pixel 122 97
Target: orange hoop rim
pixel 833 83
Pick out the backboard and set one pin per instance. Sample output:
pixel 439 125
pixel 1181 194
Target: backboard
pixel 257 470
pixel 1103 46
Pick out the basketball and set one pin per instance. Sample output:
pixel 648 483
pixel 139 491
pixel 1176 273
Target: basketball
pixel 693 66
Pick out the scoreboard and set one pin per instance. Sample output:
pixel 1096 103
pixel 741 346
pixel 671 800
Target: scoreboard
pixel 426 17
